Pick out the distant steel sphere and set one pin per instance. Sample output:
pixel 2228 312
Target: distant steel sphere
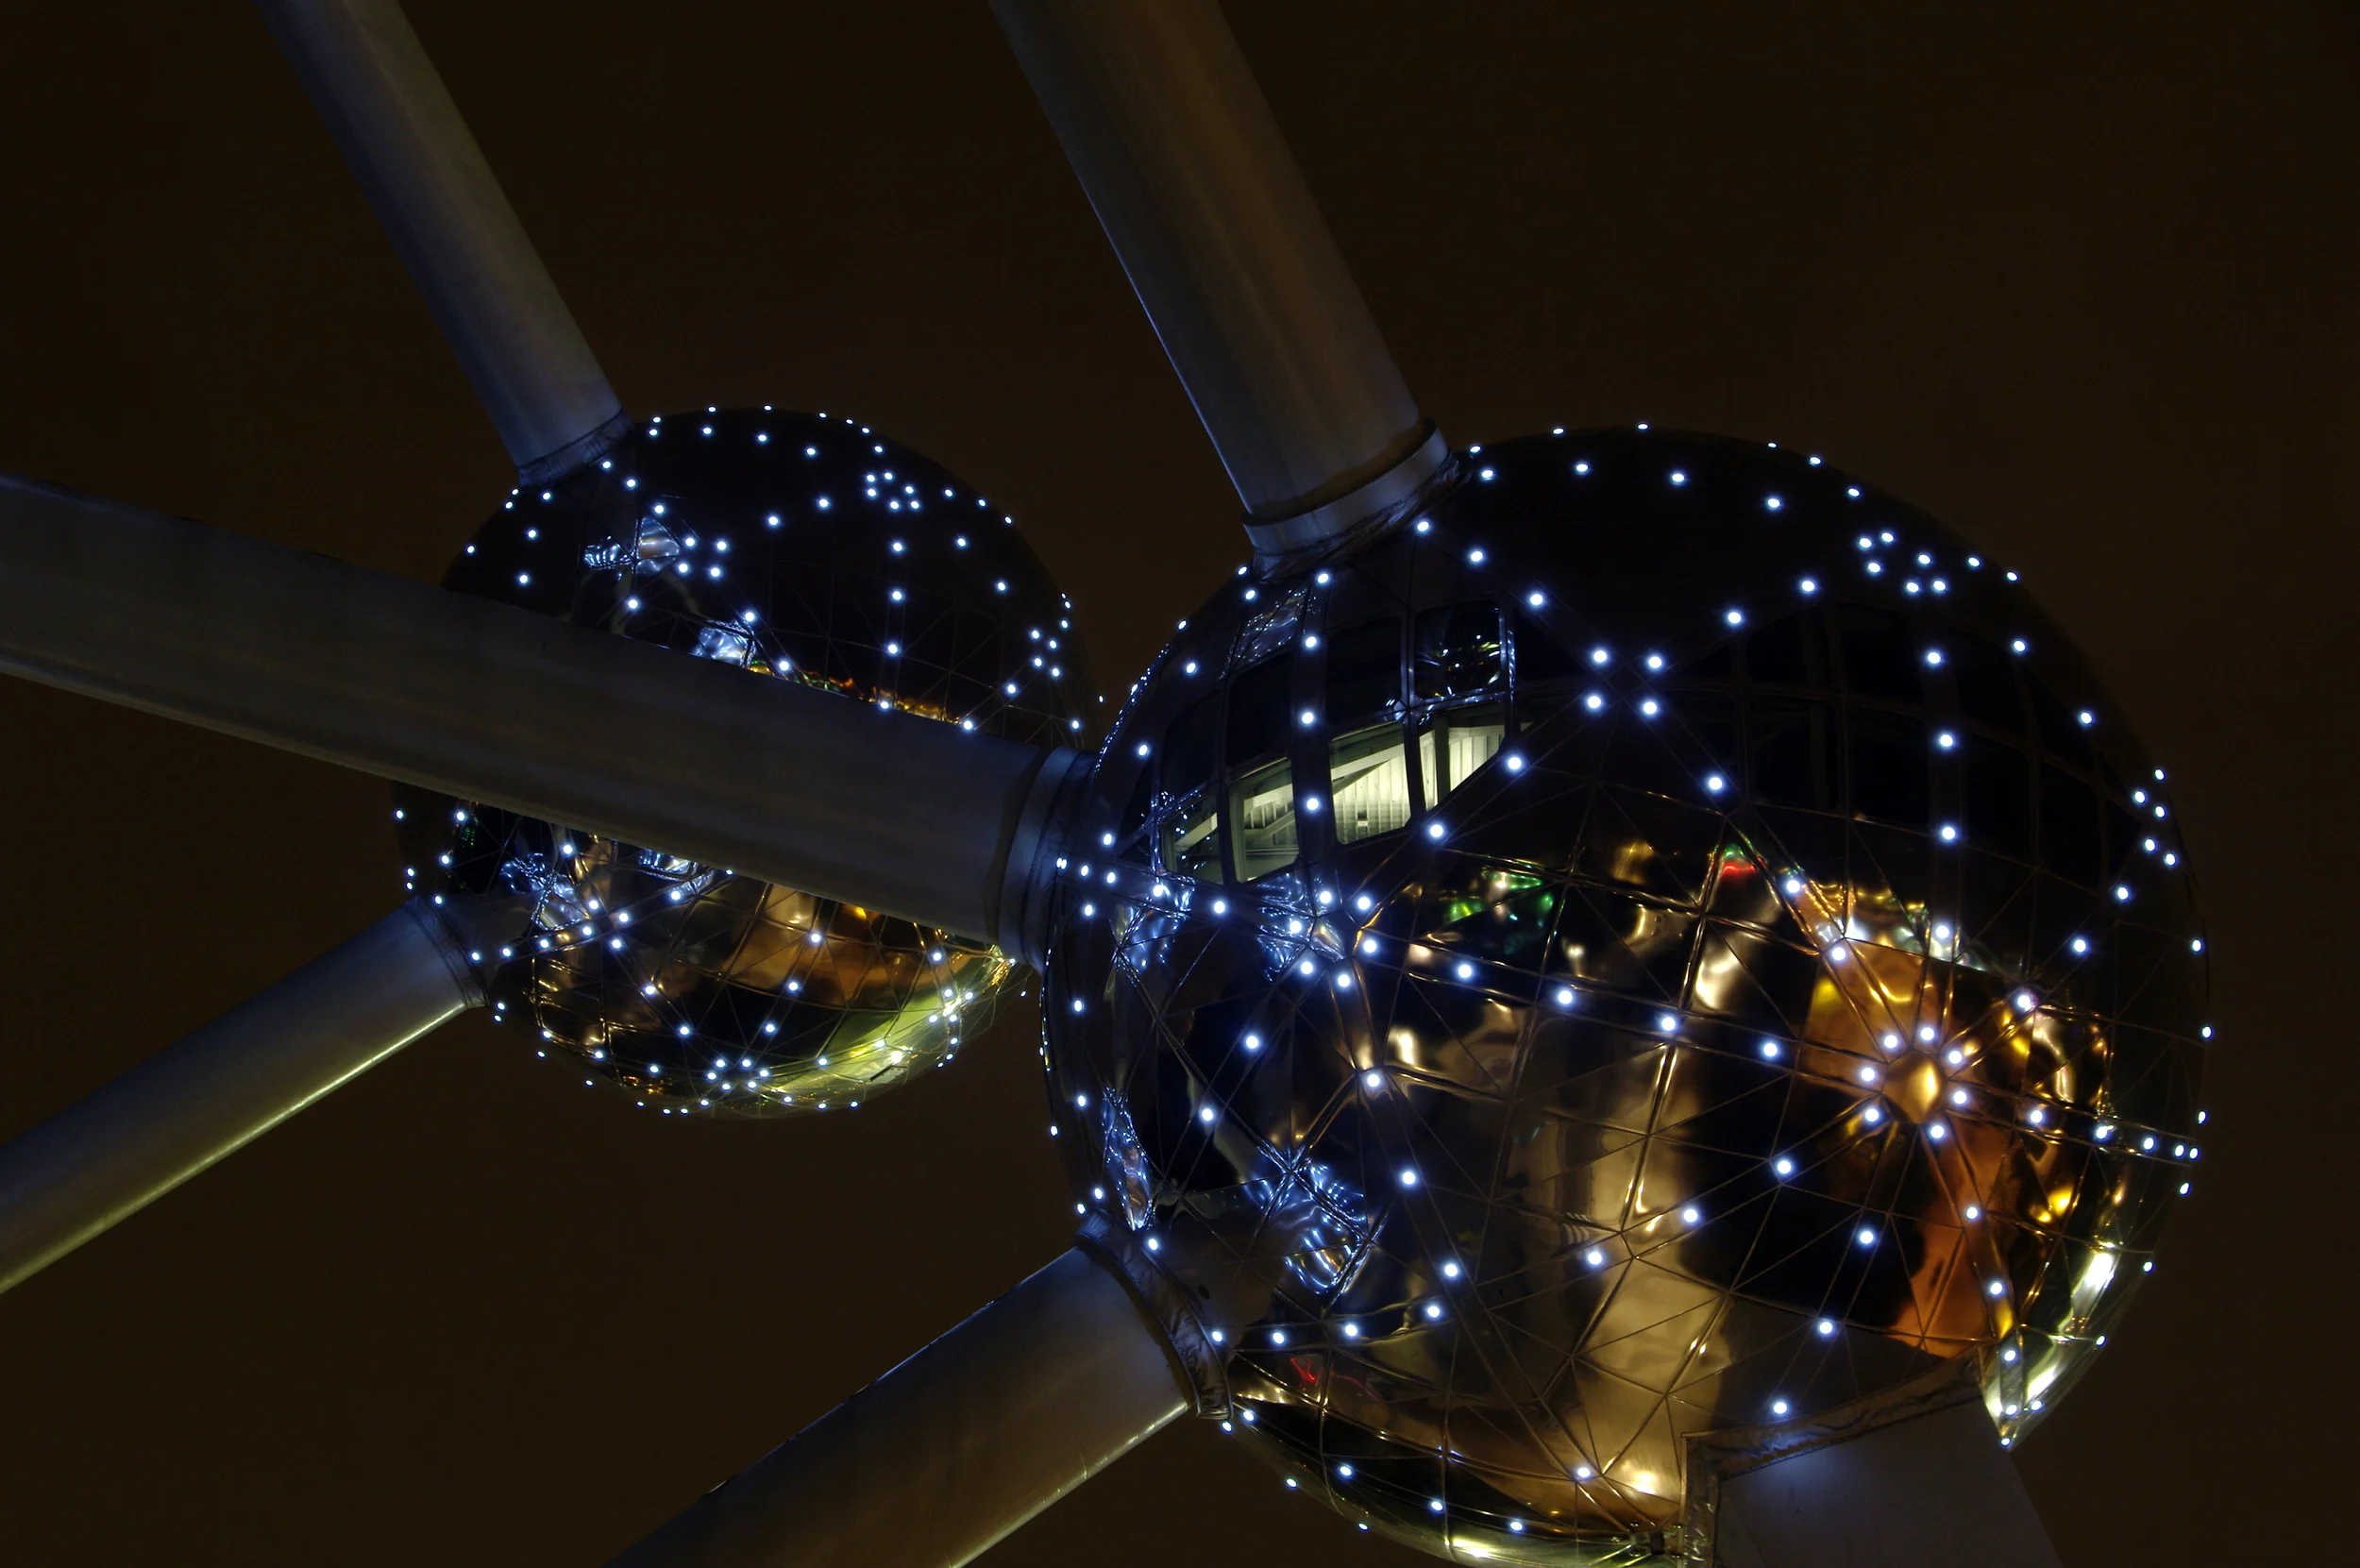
pixel 1667 940
pixel 807 548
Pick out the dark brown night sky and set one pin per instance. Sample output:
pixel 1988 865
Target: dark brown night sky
pixel 2080 279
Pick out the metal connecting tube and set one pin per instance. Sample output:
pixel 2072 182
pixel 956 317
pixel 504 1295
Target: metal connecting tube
pixel 1178 153
pixel 422 172
pixel 127 1144
pixel 948 1453
pixel 488 703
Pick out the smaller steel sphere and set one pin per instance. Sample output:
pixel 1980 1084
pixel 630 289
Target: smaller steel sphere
pixel 802 548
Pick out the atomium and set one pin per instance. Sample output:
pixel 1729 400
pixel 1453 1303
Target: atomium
pixel 1666 940
pixel 1595 967
pixel 809 548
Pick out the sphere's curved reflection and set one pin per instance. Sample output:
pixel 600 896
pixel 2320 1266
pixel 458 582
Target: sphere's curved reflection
pixel 1669 941
pixel 801 548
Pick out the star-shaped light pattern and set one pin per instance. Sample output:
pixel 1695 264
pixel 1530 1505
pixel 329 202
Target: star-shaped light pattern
pixel 805 548
pixel 1669 941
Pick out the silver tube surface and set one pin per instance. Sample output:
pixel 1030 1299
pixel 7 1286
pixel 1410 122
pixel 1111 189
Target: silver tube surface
pixel 1187 170
pixel 948 1453
pixel 492 704
pixel 1913 1478
pixel 132 1140
pixel 395 125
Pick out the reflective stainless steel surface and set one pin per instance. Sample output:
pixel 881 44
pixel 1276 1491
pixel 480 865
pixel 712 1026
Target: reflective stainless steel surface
pixel 1187 170
pixel 414 160
pixel 811 550
pixel 1680 941
pixel 931 1464
pixel 452 693
pixel 208 1094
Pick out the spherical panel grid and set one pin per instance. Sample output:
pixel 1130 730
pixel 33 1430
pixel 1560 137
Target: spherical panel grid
pixel 802 548
pixel 1670 940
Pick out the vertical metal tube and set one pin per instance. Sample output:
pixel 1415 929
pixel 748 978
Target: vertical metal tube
pixel 118 1149
pixel 1188 172
pixel 951 1450
pixel 391 116
pixel 1908 1478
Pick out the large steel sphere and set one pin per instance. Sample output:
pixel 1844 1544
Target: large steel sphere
pixel 1668 939
pixel 802 547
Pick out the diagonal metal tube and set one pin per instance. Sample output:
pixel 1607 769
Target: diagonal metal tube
pixel 395 125
pixel 1180 157
pixel 895 813
pixel 954 1448
pixel 134 1139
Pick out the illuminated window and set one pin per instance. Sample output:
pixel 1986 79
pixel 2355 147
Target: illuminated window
pixel 1191 836
pixel 1367 780
pixel 1453 743
pixel 1458 651
pixel 1262 807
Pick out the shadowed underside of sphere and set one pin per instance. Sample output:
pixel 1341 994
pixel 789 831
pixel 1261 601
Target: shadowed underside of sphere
pixel 1669 941
pixel 801 548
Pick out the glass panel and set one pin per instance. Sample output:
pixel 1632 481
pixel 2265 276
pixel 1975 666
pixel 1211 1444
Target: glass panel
pixel 1142 797
pixel 1890 762
pixel 1538 656
pixel 1259 723
pixel 1788 653
pixel 1999 791
pixel 1712 719
pixel 1794 752
pixel 1368 782
pixel 1191 838
pixel 1716 665
pixel 1458 651
pixel 1880 657
pixel 1363 671
pixel 2068 826
pixel 1268 630
pixel 1462 740
pixel 1192 746
pixel 2060 730
pixel 1985 680
pixel 1262 805
pixel 1474 739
